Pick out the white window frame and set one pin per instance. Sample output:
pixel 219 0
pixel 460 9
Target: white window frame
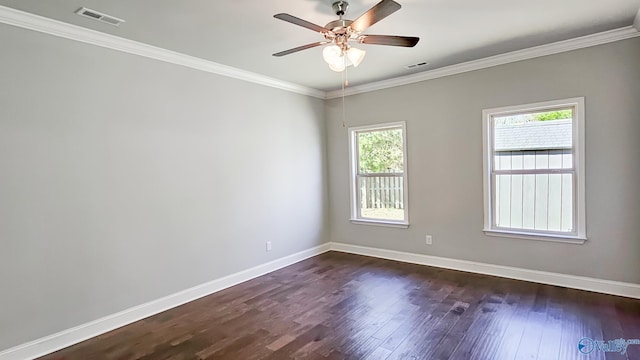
pixel 356 217
pixel 579 235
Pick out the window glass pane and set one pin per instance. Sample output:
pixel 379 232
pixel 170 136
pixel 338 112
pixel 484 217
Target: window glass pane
pixel 534 170
pixel 541 140
pixel 380 151
pixel 381 197
pixel 535 202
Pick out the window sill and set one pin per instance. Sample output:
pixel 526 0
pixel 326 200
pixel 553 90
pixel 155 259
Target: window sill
pixel 568 239
pixel 380 223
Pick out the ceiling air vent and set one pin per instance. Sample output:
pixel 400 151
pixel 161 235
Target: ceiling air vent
pixel 415 66
pixel 96 15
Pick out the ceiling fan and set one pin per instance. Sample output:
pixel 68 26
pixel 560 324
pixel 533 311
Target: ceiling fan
pixel 340 32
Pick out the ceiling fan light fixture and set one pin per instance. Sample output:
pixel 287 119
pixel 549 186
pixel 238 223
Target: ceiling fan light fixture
pixel 332 54
pixel 338 67
pixel 338 59
pixel 355 56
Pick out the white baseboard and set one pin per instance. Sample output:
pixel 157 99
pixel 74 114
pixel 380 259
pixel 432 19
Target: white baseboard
pixel 543 277
pixel 51 343
pixel 60 340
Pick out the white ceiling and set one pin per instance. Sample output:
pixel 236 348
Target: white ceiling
pixel 244 34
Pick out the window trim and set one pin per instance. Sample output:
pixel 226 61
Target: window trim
pixel 355 216
pixel 579 235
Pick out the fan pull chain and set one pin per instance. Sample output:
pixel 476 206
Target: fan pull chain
pixel 344 73
pixel 345 82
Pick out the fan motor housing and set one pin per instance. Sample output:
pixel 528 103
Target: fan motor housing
pixel 339 26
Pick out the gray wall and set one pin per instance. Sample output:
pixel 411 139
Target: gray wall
pixel 125 179
pixel 444 118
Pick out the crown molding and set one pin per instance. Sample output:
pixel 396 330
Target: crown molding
pixel 53 27
pixel 61 29
pixel 519 55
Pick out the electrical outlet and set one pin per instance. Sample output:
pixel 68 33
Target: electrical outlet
pixel 429 240
pixel 268 246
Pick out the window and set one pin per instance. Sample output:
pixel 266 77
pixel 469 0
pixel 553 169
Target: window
pixel 534 171
pixel 378 174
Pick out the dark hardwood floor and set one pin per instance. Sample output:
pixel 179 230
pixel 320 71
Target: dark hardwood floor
pixel 342 306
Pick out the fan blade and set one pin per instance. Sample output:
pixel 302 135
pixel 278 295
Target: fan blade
pixel 406 41
pixel 380 11
pixel 300 48
pixel 297 21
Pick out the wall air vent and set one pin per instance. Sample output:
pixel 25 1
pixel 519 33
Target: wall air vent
pixel 96 15
pixel 415 66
